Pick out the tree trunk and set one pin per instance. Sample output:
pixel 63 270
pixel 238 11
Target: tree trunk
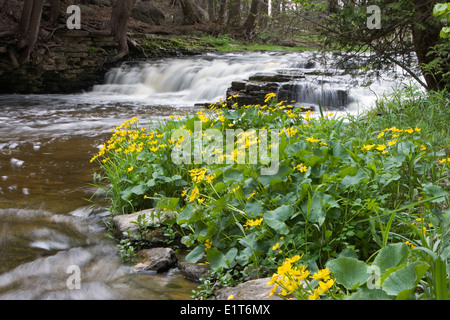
pixel 234 13
pixel 54 12
pixel 3 6
pixel 212 10
pixel 249 24
pixel 118 24
pixel 222 12
pixel 426 38
pixel 191 15
pixel 29 27
pixel 263 20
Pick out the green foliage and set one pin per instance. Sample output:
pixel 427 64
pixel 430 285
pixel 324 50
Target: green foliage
pixel 341 184
pixel 442 10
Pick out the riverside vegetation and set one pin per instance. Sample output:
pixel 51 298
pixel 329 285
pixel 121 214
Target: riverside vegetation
pixel 358 208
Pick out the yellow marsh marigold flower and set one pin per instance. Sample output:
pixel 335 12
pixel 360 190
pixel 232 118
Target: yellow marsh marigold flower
pixel 194 194
pixel 276 246
pixel 230 297
pixel 322 274
pixel 423 148
pixel 325 286
pixel 130 169
pixel 308 115
pixel 301 167
pixel 315 295
pixel 311 139
pixel 367 147
pixel 381 134
pixel 381 147
pixel 392 142
pixel 269 96
pixel 208 244
pixel 251 222
pixel 410 244
pixel 294 258
pixel 210 178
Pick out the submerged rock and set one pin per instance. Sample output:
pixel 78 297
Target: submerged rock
pixel 249 290
pixel 147 230
pixel 193 271
pixel 156 259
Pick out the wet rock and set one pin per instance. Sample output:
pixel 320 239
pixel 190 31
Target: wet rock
pixel 193 271
pixel 254 90
pixel 282 75
pixel 156 259
pixel 249 290
pixel 127 226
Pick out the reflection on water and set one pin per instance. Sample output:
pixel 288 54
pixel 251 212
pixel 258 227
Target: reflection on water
pixel 46 224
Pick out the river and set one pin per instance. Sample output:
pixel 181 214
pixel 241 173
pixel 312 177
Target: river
pixel 46 142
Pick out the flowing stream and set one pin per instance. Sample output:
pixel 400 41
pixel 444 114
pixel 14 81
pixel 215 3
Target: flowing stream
pixel 46 142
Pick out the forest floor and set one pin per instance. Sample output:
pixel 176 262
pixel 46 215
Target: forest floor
pixel 97 17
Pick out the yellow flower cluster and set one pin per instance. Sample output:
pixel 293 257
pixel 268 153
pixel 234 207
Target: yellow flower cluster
pixel 443 160
pixel 253 223
pixel 382 147
pixel 208 244
pixel 288 277
pixel 291 278
pixel 312 139
pixel 301 167
pixel 199 175
pixel 120 133
pixel 194 194
pixel 308 115
pixel 396 130
pixel 269 96
pixel 202 116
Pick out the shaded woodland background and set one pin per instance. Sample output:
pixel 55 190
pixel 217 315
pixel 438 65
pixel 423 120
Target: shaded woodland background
pixel 408 37
pixel 22 21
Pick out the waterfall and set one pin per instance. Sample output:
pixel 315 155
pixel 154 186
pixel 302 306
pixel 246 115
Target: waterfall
pixel 198 79
pixel 310 95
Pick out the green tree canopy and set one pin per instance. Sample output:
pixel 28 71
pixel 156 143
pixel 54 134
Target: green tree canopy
pixel 407 35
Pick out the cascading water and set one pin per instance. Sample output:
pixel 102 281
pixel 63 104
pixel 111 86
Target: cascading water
pixel 205 79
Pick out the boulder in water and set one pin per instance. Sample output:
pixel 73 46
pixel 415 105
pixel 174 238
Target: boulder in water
pixel 249 290
pixel 194 271
pixel 127 226
pixel 156 259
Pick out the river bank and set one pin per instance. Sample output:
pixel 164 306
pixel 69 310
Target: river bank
pixel 73 61
pixel 77 60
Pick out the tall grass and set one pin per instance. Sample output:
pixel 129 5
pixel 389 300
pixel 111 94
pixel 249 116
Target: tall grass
pixel 410 107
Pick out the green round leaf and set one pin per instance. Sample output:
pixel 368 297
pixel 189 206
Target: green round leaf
pixel 349 272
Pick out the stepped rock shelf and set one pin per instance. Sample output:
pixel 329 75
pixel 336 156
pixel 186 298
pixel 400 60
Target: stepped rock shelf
pixel 292 86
